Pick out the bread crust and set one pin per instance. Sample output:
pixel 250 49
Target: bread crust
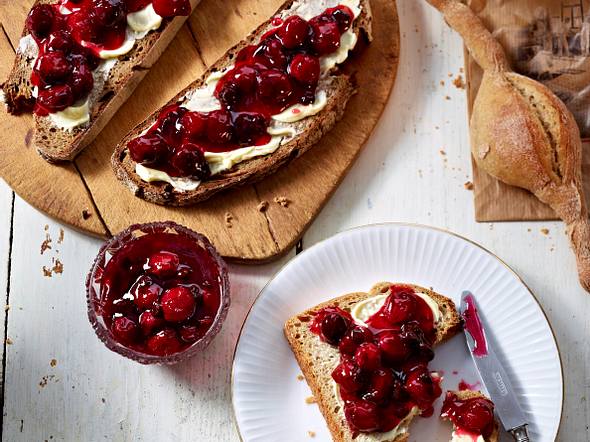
pixel 302 343
pixel 471 394
pixel 339 88
pixel 54 144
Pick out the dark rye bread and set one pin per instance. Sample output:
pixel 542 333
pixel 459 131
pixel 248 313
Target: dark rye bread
pixel 55 144
pixel 318 359
pixel 469 394
pixel 339 89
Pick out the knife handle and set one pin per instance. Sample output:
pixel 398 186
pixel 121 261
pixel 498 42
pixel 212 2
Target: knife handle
pixel 520 434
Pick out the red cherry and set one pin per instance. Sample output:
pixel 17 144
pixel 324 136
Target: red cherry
pixel 333 327
pixel 149 322
pixel 59 41
pixel 293 32
pixel 368 356
pixel 56 98
pixel 353 338
pixel 145 292
pixel 162 264
pixel 343 16
pixel 178 304
pixel 194 124
pixel 136 5
pixel 246 53
pixel 325 37
pixel 190 161
pixel 274 87
pixel 40 21
pixel 421 387
pixel 210 301
pixel 124 330
pixel 394 347
pixel 272 54
pixel 362 415
pixel 169 124
pixel 164 343
pixel 53 67
pixel 249 126
pixel 84 27
pixel 305 69
pixel 380 386
pixel 348 376
pixel 476 415
pixel 148 148
pixel 219 127
pixel 400 307
pixel 172 8
pixel 81 81
pixel 189 333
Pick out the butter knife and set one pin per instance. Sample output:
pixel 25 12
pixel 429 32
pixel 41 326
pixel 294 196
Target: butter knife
pixel 491 371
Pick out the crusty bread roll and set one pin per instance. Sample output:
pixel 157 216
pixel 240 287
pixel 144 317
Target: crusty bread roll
pixel 522 134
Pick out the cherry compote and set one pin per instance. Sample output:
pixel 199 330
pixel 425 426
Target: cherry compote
pixel 160 292
pixel 383 371
pixel 70 36
pixel 282 70
pixel 471 417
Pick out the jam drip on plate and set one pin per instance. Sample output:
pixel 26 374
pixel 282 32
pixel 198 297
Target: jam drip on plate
pixel 471 417
pixel 281 71
pixel 70 36
pixel 160 293
pixel 383 371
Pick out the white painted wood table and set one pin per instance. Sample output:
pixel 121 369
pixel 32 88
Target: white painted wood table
pixel 61 383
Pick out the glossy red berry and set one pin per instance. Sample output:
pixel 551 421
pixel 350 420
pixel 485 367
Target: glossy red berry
pixel 420 386
pixel 272 54
pixel 169 124
pixel 190 161
pixel 293 32
pixel 149 323
pixel 368 356
pixel 476 415
pixel 333 327
pixel 249 126
pixel 56 98
pixel 109 13
pixel 305 69
pixel 244 77
pixel 84 27
pixel 353 338
pixel 162 264
pixel 40 21
pixel 145 292
pixel 400 308
pixel 343 16
pixel 189 333
pixel 194 125
pixel 53 67
pixel 148 148
pixel 362 415
pixel 164 343
pixel 137 5
pixel 325 37
pixel 394 348
pixel 59 41
pixel 172 8
pixel 219 127
pixel 380 386
pixel 125 330
pixel 178 304
pixel 348 376
pixel 274 86
pixel 81 81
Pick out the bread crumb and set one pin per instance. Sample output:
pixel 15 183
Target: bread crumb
pixel 61 236
pixel 263 206
pixel 447 97
pixel 45 379
pixel 46 228
pixel 310 400
pixel 8 341
pixel 46 244
pixel 468 185
pixel 458 82
pixel 442 152
pixel 300 377
pixel 282 201
pixel 442 82
pixel 545 231
pixel 86 214
pixel 228 220
pixel 311 433
pixel 450 74
pixel 7 307
pixel 53 362
pixel 529 230
pixel 57 268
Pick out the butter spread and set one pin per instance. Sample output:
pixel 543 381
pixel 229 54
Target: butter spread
pixel 466 437
pixel 363 310
pixel 72 116
pixel 144 20
pixel 298 112
pixel 149 175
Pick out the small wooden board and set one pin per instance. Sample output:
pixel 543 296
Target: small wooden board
pixel 86 195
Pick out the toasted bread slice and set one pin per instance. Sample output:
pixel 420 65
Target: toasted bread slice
pixel 470 394
pixel 55 144
pixel 318 359
pixel 338 86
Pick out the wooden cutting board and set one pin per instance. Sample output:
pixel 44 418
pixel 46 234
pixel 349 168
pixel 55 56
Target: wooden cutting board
pixel 86 195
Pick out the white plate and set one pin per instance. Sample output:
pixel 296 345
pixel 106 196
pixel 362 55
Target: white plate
pixel 268 398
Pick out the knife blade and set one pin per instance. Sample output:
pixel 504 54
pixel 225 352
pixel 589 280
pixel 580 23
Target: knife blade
pixel 492 372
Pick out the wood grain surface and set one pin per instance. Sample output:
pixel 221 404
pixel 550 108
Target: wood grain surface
pixel 88 185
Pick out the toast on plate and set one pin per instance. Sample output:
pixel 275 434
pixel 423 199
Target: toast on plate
pixel 73 84
pixel 450 412
pixel 320 360
pixel 230 131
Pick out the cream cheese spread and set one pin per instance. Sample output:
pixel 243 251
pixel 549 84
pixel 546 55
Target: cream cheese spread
pixel 466 437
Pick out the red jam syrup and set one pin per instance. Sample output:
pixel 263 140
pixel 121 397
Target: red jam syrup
pixel 267 78
pixel 472 324
pixel 383 371
pixel 471 417
pixel 160 293
pixel 70 35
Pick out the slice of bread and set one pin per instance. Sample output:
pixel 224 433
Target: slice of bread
pixel 470 394
pixel 55 144
pixel 318 359
pixel 338 86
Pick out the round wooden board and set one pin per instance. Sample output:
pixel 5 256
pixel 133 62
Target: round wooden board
pixel 86 195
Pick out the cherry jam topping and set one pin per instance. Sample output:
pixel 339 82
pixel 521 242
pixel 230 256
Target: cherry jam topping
pixel 267 78
pixel 383 370
pixel 160 293
pixel 471 417
pixel 70 36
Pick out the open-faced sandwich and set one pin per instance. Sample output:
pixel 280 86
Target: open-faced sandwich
pixel 79 60
pixel 365 357
pixel 472 416
pixel 265 102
